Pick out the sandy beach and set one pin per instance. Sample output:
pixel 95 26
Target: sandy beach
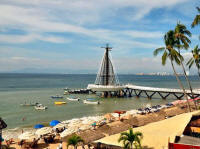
pixel 112 125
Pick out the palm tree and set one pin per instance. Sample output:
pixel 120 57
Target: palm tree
pixel 182 42
pixel 195 59
pixel 196 20
pixel 173 55
pixel 130 138
pixel 74 141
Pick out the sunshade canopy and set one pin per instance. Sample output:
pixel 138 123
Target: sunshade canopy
pixel 43 131
pixel 37 126
pixel 27 136
pixel 54 123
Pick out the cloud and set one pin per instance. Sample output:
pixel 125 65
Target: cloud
pixel 18 39
pixel 47 16
pixel 88 22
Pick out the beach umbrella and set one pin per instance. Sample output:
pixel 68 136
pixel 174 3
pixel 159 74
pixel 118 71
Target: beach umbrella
pixel 67 132
pixel 197 98
pixel 119 112
pixel 27 136
pixel 37 126
pixel 60 125
pixel 177 102
pixel 43 131
pixel 54 123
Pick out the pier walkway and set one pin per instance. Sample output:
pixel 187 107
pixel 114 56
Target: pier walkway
pixel 130 90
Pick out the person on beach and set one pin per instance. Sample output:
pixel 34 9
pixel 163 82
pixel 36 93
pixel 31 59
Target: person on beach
pixel 59 146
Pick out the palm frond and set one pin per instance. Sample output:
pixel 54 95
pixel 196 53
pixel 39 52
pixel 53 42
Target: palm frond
pixel 164 58
pixel 198 9
pixel 158 50
pixel 196 21
pixel 192 62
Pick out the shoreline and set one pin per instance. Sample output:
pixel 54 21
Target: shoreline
pixel 86 120
pixel 83 123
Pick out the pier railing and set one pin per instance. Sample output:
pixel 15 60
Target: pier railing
pixel 162 92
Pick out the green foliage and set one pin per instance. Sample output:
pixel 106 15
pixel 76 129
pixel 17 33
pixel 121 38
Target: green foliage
pixel 196 20
pixel 182 35
pixel 169 51
pixel 74 141
pixel 195 59
pixel 130 138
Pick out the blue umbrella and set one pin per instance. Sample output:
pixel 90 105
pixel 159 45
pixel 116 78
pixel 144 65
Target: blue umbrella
pixel 54 123
pixel 38 126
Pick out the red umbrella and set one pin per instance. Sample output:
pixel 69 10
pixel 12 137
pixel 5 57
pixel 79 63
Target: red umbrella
pixel 119 112
pixel 197 98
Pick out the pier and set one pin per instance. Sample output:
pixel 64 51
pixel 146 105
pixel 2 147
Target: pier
pixel 131 90
pixel 108 85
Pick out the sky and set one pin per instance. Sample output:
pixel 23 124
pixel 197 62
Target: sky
pixel 66 36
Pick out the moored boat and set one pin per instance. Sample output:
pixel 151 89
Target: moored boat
pixel 59 102
pixel 73 99
pixel 40 107
pixel 57 96
pixel 66 92
pixel 91 102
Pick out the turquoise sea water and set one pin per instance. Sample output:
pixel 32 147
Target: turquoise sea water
pixel 18 88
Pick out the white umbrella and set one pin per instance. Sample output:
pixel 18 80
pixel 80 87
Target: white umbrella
pixel 27 136
pixel 60 125
pixel 43 131
pixel 67 132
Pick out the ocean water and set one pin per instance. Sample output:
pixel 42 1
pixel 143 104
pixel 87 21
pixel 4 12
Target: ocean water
pixel 19 88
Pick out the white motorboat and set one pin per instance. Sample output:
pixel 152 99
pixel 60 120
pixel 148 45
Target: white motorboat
pixel 40 107
pixel 66 88
pixel 66 92
pixel 91 102
pixel 73 99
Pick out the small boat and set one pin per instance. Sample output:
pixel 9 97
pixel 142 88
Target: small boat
pixel 66 88
pixel 40 107
pixel 91 102
pixel 57 96
pixel 66 92
pixel 59 102
pixel 73 99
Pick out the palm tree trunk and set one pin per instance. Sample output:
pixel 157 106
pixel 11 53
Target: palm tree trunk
pixel 181 85
pixel 189 84
pixel 199 72
pixel 132 145
pixel 188 81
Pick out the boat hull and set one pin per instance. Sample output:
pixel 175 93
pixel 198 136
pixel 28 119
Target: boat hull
pixel 91 102
pixel 59 102
pixel 73 99
pixel 40 108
